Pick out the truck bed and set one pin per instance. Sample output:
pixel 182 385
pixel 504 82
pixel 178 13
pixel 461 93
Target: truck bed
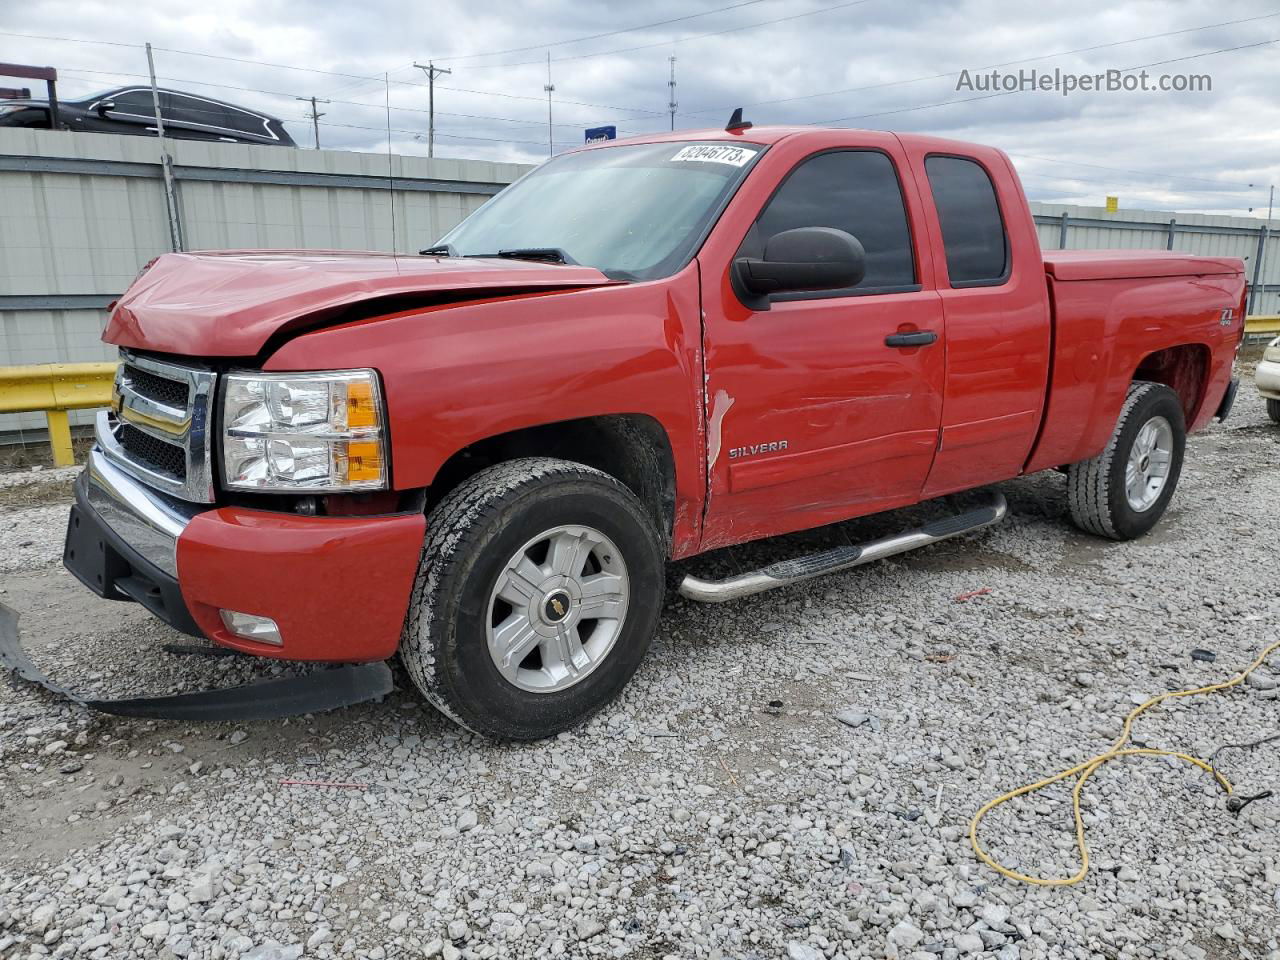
pixel 1132 264
pixel 1124 315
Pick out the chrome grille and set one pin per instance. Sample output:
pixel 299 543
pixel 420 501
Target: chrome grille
pixel 158 427
pixel 157 454
pixel 153 387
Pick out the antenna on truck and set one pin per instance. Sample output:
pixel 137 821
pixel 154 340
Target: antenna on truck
pixel 736 122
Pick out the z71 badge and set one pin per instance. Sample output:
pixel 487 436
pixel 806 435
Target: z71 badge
pixel 773 446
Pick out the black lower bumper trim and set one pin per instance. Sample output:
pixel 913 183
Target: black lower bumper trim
pixel 102 560
pixel 324 689
pixel 1228 399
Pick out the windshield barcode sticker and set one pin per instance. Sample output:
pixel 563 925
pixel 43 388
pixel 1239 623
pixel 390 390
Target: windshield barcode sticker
pixel 715 153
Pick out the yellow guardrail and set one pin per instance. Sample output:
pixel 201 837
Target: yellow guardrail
pixel 1260 325
pixel 55 388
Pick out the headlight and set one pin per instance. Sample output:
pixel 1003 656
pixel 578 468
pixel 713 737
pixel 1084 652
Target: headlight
pixel 303 432
pixel 1272 353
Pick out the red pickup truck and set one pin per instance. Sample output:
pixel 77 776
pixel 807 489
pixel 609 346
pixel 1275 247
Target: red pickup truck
pixel 481 457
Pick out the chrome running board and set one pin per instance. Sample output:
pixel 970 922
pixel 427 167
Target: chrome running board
pixel 786 572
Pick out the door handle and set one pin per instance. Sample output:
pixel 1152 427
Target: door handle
pixel 917 338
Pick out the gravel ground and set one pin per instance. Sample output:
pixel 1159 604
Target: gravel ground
pixel 719 808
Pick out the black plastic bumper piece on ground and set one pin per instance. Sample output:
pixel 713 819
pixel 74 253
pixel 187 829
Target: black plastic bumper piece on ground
pixel 324 689
pixel 1228 399
pixel 100 559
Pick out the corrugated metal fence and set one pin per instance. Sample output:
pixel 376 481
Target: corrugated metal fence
pixel 1067 227
pixel 81 213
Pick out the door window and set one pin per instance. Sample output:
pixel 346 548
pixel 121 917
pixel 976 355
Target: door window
pixel 856 191
pixel 132 103
pixel 972 230
pixel 192 111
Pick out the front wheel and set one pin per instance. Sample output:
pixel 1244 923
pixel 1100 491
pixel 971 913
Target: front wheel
pixel 1123 491
pixel 537 597
pixel 1273 409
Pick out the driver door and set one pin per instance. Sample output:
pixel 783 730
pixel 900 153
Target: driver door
pixel 817 408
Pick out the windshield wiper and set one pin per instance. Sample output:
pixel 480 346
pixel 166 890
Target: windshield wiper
pixel 548 254
pixel 439 250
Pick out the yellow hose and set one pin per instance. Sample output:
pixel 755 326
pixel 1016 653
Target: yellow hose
pixel 1086 769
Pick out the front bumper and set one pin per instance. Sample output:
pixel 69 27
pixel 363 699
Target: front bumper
pixel 121 542
pixel 1267 378
pixel 337 587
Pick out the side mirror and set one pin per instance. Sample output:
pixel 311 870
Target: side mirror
pixel 104 106
pixel 806 258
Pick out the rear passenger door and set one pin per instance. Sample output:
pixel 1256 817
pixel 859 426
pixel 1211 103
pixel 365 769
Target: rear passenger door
pixel 815 413
pixel 991 281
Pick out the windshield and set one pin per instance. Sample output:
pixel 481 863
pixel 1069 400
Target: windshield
pixel 633 212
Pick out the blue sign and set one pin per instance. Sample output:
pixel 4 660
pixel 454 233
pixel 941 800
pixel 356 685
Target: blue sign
pixel 598 134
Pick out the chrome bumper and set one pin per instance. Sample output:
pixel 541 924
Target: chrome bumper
pixel 144 518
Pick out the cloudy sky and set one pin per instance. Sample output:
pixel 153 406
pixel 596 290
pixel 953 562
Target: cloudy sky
pixel 884 64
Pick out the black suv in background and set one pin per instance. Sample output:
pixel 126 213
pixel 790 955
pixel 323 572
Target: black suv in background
pixel 130 110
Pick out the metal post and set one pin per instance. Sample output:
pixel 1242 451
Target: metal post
pixel 391 178
pixel 60 438
pixel 550 88
pixel 1173 224
pixel 53 107
pixel 432 71
pixel 166 162
pixel 1257 268
pixel 1062 234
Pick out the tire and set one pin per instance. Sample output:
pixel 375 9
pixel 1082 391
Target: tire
pixel 1099 499
pixel 1273 409
pixel 478 538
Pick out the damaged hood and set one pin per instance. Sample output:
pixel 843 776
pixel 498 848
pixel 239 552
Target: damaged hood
pixel 228 303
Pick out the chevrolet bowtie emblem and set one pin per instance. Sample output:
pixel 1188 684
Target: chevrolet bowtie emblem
pixel 557 606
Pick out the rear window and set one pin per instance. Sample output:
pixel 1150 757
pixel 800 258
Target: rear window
pixel 972 231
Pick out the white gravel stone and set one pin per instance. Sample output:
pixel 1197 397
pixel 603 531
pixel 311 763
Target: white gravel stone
pixel 692 818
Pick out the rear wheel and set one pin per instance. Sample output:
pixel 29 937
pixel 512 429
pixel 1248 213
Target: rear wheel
pixel 1123 492
pixel 537 597
pixel 1273 409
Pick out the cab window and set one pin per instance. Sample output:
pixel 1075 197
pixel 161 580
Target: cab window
pixel 973 234
pixel 856 191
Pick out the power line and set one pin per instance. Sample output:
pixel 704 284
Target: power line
pixel 1008 93
pixel 73 71
pixel 335 73
pixel 663 43
pixel 447 136
pixel 600 36
pixel 1146 183
pixel 989 66
pixel 370 106
pixel 1141 173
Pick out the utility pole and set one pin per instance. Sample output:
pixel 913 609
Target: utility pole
pixel 671 97
pixel 432 71
pixel 550 88
pixel 315 117
pixel 166 161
